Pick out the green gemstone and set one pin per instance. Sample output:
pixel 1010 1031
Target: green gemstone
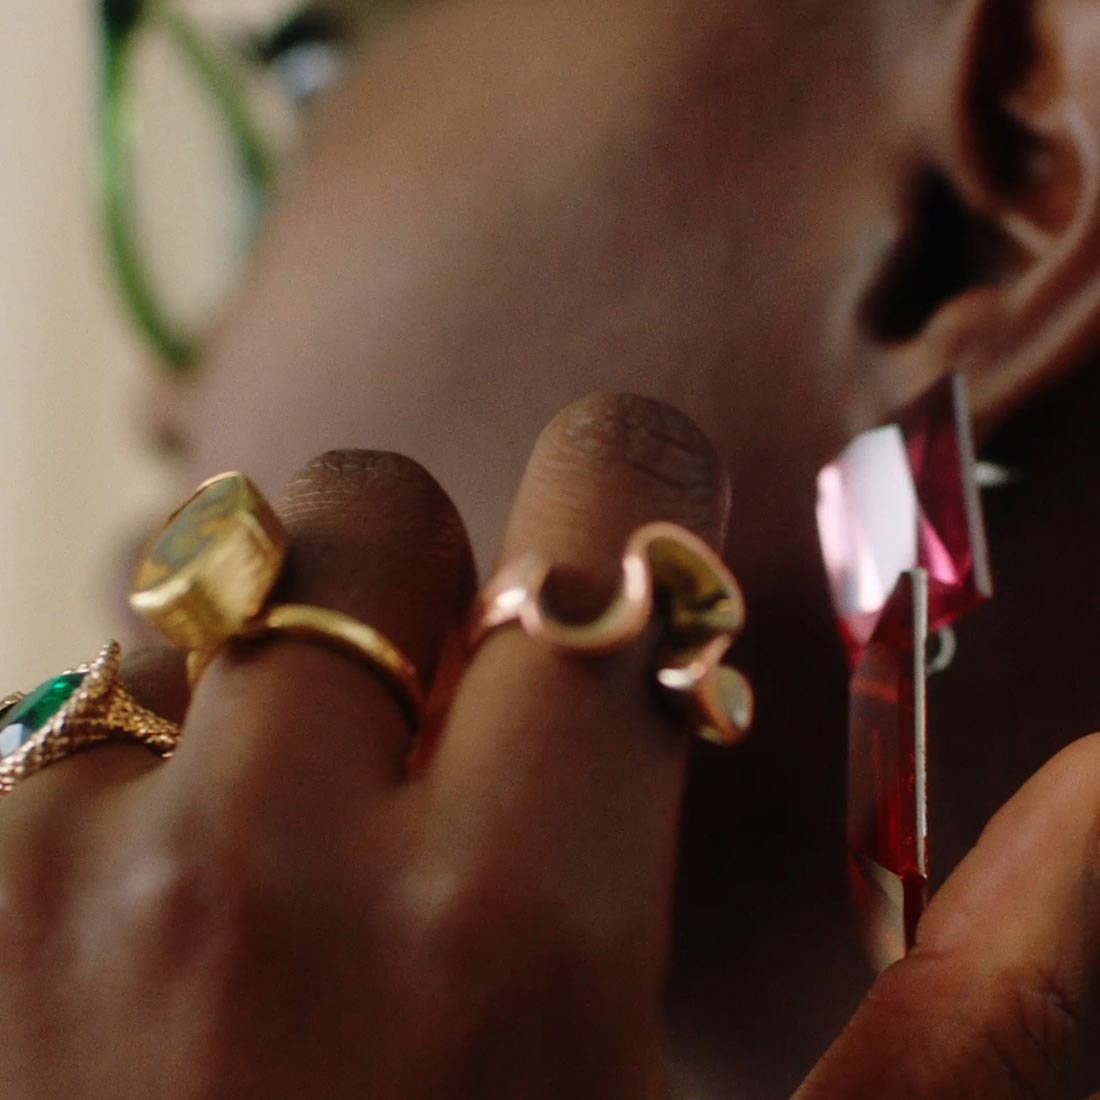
pixel 19 724
pixel 195 526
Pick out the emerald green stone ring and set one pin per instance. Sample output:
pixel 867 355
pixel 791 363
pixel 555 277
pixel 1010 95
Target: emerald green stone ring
pixel 80 708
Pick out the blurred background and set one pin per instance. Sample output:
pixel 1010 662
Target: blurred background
pixel 76 470
pixel 82 385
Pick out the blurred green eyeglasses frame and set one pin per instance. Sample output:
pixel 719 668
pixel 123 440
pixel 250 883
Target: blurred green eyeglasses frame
pixel 222 70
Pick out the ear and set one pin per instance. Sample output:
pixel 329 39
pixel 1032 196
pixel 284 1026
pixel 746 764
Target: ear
pixel 996 269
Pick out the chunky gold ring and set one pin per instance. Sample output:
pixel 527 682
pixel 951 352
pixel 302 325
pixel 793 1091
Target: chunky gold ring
pixel 669 574
pixel 343 632
pixel 75 710
pixel 210 572
pixel 212 566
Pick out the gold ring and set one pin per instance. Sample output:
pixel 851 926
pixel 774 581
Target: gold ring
pixel 211 570
pixel 212 566
pixel 343 632
pixel 669 574
pixel 75 710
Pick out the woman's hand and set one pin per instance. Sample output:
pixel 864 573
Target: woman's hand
pixel 282 911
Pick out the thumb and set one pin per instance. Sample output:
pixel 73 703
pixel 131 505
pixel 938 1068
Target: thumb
pixel 989 1002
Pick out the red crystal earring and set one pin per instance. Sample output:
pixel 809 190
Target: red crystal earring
pixel 905 552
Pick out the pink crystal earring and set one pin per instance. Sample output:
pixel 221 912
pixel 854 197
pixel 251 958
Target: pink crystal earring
pixel 905 552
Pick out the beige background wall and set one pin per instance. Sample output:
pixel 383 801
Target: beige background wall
pixel 76 476
pixel 74 472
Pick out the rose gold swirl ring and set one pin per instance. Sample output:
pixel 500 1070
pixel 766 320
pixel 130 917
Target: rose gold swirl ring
pixel 668 574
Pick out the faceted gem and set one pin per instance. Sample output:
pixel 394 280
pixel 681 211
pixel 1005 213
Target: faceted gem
pixel 887 801
pixel 213 565
pixel 22 721
pixel 903 497
pixel 192 529
pixel 951 533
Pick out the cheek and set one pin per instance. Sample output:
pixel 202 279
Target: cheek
pixel 478 241
pixel 745 205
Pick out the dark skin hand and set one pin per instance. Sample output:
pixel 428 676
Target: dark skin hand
pixel 280 911
pixel 786 219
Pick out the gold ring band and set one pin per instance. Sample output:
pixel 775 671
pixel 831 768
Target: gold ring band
pixel 343 632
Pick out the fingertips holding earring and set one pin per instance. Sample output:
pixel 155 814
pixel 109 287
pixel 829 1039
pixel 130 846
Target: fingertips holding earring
pixel 904 547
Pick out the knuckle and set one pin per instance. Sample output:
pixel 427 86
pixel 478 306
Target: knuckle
pixel 180 905
pixel 449 918
pixel 500 927
pixel 656 446
pixel 193 925
pixel 1032 1038
pixel 1019 1030
pixel 474 946
pixel 431 938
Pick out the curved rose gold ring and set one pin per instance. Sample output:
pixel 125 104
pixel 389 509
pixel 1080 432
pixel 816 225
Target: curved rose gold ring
pixel 669 573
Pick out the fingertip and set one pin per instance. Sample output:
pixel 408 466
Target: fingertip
pixel 1036 851
pixel 374 534
pixel 998 983
pixel 357 485
pixel 1020 917
pixel 611 462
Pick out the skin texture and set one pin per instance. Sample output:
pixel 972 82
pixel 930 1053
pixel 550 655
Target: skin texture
pixel 785 219
pixel 306 915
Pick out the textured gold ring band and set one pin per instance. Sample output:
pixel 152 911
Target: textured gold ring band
pixel 76 710
pixel 350 635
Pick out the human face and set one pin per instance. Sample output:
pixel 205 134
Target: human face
pixel 513 204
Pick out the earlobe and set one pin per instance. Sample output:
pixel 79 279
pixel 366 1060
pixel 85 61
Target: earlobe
pixel 997 270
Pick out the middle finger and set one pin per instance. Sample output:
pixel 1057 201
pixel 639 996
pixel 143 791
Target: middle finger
pixel 568 762
pixel 295 724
